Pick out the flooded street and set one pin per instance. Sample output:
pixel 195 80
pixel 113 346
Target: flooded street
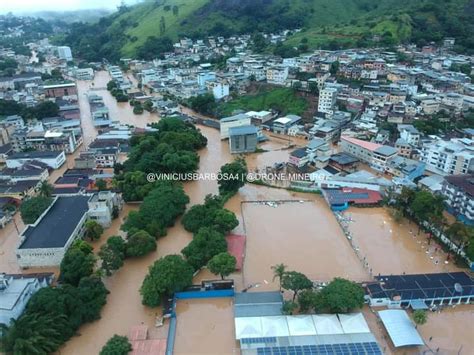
pixel 394 248
pixel 205 326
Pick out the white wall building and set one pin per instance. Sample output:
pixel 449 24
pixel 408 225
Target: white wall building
pixel 53 159
pixel 64 52
pixel 327 100
pixel 449 157
pixel 233 121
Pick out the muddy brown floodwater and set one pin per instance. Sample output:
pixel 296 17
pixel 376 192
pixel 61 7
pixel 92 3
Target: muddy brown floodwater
pixel 205 326
pixel 394 247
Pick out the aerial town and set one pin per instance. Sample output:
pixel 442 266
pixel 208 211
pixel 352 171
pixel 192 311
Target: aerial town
pixel 220 198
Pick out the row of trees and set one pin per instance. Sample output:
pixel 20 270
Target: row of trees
pixel 339 296
pixel 40 111
pixel 116 92
pixel 422 206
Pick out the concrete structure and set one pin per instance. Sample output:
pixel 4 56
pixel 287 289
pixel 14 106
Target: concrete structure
pixel 243 139
pixel 277 75
pixel 282 124
pixel 458 191
pixel 60 90
pixel 44 243
pixel 327 100
pixel 449 157
pixel 84 74
pixel 233 121
pixel 400 328
pixel 404 168
pixel 259 117
pixel 219 90
pixel 102 206
pixel 409 134
pixel 54 159
pixel 16 291
pixel 376 155
pixel 64 52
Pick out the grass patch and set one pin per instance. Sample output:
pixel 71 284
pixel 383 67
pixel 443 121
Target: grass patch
pixel 284 100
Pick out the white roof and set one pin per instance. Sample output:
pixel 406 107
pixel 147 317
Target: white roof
pixel 248 327
pixel 354 323
pixel 301 325
pixel 400 328
pixel 275 326
pixel 327 324
pixel 282 120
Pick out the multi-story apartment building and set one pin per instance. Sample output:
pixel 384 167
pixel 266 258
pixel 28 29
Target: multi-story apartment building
pixel 458 191
pixel 327 100
pixel 452 157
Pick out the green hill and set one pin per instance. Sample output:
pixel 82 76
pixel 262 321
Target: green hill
pixel 326 23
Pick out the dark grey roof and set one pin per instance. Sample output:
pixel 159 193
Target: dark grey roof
pixel 57 225
pixel 343 159
pixel 35 155
pixel 242 130
pixel 386 150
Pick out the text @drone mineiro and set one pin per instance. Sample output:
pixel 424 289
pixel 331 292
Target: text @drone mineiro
pixel 253 176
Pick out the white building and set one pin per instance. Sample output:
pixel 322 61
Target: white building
pixel 277 75
pixel 458 191
pixel 376 155
pixel 409 134
pixel 64 52
pixel 327 100
pixel 219 90
pixel 84 74
pixel 16 291
pixel 233 121
pixel 449 157
pixel 54 159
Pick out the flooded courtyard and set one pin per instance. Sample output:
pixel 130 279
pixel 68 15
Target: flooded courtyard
pixel 205 326
pixel 391 247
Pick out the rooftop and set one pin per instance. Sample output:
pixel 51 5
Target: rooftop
pixel 62 218
pixel 462 182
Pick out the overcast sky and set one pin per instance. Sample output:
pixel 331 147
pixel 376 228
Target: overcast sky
pixel 21 6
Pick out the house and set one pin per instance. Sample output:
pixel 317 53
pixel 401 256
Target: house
pixel 220 90
pixel 299 157
pixel 84 74
pixel 28 171
pixel 404 148
pixel 16 290
pixel 233 121
pixel 102 207
pixel 376 155
pixel 458 191
pixel 260 117
pixel 54 159
pixel 64 52
pixel 106 158
pixel 409 134
pixel 343 162
pixel 19 189
pixel 405 168
pixel 60 90
pixel 281 125
pixel 243 139
pixel 277 75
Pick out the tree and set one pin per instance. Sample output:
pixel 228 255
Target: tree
pixel 34 207
pixel 295 281
pixel 204 104
pixel 289 307
pixel 34 333
pixel 93 295
pixel 461 233
pixel 162 25
pixel 334 68
pixel 155 47
pixel 232 177
pixel 222 264
pixel 93 230
pixel 206 243
pixel 278 272
pixel 101 184
pixel 46 189
pixel 307 300
pixel 75 265
pixel 159 210
pixel 313 87
pixel 427 207
pixel 342 296
pixel 139 244
pixel 46 109
pixel 112 254
pixel 175 10
pixel 420 317
pixel 166 276
pixel 117 345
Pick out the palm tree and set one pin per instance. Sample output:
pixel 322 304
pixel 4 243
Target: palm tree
pixel 420 317
pixel 46 189
pixel 278 272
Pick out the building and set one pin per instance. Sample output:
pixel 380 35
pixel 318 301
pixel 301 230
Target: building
pixel 219 90
pixel 277 75
pixel 64 52
pixel 404 148
pixel 458 191
pixel 452 157
pixel 327 100
pixel 39 247
pixel 84 74
pixel 259 117
pixel 243 139
pixel 420 291
pixel 28 171
pixel 233 121
pixel 405 168
pixel 376 155
pixel 282 124
pixel 15 292
pixel 60 90
pixel 102 207
pixel 53 159
pixel 19 189
pixel 409 134
pixel 299 157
